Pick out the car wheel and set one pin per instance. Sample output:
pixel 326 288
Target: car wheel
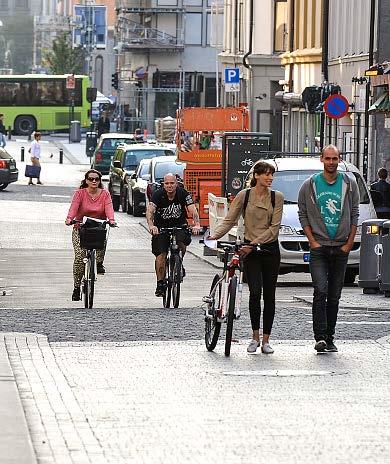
pixel 137 210
pixel 3 186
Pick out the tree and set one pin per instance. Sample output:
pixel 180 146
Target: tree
pixel 63 59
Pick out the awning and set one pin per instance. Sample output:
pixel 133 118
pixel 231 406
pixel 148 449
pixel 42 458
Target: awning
pixel 381 105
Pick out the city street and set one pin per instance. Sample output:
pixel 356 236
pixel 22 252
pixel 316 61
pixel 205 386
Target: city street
pixel 131 382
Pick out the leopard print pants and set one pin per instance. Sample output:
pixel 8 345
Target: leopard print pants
pixel 79 255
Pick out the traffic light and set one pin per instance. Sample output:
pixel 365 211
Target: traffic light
pixel 115 80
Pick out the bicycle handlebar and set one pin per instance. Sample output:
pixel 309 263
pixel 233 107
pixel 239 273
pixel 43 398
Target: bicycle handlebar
pixel 75 221
pixel 172 229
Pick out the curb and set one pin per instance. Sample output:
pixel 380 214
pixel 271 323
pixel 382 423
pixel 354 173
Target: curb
pixel 15 441
pixel 309 302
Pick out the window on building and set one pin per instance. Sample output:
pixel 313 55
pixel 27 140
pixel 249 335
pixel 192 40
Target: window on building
pixel 21 4
pixel 3 5
pixel 280 26
pixel 193 29
pixel 215 25
pixel 193 2
pixel 167 2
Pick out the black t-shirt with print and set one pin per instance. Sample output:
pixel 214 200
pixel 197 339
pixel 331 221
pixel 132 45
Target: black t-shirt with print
pixel 171 213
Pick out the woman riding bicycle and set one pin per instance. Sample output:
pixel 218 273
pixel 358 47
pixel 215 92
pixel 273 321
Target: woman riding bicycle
pixel 262 217
pixel 91 200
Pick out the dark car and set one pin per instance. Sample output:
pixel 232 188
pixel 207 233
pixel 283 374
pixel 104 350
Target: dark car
pixel 105 149
pixel 136 189
pixel 8 171
pixel 125 163
pixel 157 170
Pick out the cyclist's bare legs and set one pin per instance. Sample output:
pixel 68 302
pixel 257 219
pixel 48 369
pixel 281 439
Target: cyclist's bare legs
pixel 159 266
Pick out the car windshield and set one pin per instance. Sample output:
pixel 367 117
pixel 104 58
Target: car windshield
pixel 144 169
pixel 133 157
pixel 166 167
pixel 111 144
pixel 4 155
pixel 289 183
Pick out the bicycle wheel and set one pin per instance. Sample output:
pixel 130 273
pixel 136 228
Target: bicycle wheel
pixel 212 325
pixel 168 283
pixel 89 281
pixel 176 280
pixel 230 315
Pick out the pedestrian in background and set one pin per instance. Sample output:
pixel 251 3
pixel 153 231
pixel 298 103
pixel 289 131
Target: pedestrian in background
pixel 328 209
pixel 91 200
pixel 35 153
pixel 382 204
pixel 103 125
pixel 3 132
pixel 138 135
pixel 262 211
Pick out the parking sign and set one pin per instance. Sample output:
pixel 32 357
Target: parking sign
pixel 232 79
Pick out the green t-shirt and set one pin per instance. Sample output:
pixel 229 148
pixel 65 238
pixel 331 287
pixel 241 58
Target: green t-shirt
pixel 328 198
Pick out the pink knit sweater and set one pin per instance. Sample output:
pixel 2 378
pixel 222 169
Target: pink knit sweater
pixel 83 205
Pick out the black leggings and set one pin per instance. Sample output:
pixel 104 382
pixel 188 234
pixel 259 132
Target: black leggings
pixel 261 269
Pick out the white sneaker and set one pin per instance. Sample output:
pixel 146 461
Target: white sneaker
pixel 252 347
pixel 267 348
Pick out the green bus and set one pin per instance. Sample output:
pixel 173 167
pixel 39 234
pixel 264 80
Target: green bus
pixel 41 102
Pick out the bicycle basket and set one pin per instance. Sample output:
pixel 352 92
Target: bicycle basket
pixel 92 238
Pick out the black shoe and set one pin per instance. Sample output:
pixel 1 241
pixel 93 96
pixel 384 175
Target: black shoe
pixel 76 294
pixel 183 272
pixel 160 289
pixel 100 268
pixel 320 346
pixel 331 347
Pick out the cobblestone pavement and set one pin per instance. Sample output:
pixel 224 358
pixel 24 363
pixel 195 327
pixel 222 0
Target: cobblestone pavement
pixel 175 402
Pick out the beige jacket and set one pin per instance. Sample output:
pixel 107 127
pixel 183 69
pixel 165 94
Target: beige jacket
pixel 262 222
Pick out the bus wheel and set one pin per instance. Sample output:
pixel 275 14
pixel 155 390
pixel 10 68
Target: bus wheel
pixel 25 125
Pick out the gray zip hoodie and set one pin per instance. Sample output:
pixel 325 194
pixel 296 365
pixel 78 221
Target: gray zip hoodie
pixel 310 215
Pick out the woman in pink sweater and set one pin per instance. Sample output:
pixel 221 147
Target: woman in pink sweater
pixel 91 200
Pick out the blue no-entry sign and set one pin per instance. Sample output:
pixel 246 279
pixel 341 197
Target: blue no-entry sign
pixel 336 106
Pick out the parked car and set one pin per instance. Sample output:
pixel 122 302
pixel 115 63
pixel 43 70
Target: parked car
pixel 157 170
pixel 125 163
pixel 289 175
pixel 136 189
pixel 8 170
pixel 105 149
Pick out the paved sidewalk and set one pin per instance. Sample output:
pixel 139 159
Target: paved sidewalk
pixel 15 443
pixel 174 402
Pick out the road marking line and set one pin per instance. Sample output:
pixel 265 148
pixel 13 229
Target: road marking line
pixel 359 322
pixel 55 196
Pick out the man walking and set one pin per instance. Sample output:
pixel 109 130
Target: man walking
pixel 382 207
pixel 328 204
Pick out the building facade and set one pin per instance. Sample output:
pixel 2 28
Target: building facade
pixel 164 58
pixel 255 35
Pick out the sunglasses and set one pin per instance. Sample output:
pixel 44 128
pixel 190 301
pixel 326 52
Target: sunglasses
pixel 93 179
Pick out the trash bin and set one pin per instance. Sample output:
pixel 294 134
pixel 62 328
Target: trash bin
pixel 75 131
pixel 384 283
pixel 371 255
pixel 90 143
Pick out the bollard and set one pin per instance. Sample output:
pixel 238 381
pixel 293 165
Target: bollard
pixel 22 154
pixel 9 132
pixel 61 156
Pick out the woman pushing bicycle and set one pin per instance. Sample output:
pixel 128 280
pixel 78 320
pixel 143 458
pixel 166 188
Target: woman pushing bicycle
pixel 262 211
pixel 93 201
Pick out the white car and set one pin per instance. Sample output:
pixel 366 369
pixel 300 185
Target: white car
pixel 290 173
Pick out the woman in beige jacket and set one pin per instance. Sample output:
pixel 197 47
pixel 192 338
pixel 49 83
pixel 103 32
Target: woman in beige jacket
pixel 262 219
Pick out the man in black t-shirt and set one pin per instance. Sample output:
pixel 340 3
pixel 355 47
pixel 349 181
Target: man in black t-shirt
pixel 382 206
pixel 168 208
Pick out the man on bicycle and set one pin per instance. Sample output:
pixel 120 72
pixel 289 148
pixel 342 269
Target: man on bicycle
pixel 168 208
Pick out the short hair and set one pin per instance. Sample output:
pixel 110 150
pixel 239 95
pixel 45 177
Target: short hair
pixel 331 147
pixel 383 173
pixel 37 134
pixel 261 167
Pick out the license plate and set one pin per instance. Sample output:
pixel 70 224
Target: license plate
pixel 306 257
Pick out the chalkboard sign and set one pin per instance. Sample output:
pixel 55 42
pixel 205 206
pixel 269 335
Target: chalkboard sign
pixel 241 153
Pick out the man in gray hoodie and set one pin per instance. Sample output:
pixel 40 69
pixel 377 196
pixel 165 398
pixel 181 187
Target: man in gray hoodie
pixel 328 204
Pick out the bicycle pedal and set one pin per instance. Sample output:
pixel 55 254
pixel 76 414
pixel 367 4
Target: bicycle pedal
pixel 208 299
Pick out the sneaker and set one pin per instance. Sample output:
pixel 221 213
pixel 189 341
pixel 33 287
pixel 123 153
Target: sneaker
pixel 320 346
pixel 100 268
pixel 39 183
pixel 76 294
pixel 267 348
pixel 31 183
pixel 160 289
pixel 252 347
pixel 331 347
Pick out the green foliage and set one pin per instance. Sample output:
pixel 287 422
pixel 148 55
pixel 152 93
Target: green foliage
pixel 63 59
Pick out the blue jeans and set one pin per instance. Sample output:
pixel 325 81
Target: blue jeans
pixel 327 267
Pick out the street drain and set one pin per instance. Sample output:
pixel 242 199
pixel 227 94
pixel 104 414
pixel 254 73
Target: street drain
pixel 282 373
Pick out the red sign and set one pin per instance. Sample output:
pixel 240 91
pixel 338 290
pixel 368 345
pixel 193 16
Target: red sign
pixel 70 82
pixel 336 106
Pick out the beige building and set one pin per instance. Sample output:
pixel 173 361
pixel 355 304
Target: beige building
pixel 255 34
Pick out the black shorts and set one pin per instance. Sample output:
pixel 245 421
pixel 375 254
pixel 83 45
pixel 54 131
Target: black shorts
pixel 160 242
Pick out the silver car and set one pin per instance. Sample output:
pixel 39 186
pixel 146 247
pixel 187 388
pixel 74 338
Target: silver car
pixel 290 173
